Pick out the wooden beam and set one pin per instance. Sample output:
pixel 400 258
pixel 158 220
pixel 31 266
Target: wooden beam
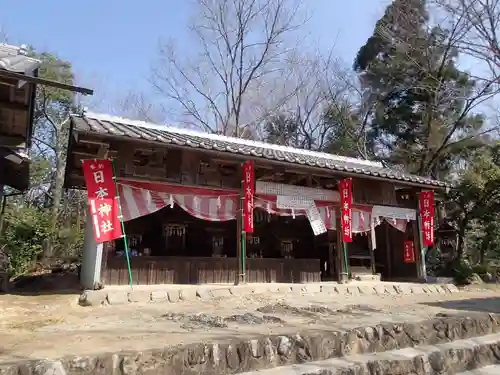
pixel 103 152
pixel 84 155
pixel 45 82
pixel 12 141
pixel 92 142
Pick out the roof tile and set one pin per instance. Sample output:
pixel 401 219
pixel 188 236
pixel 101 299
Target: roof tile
pixel 117 126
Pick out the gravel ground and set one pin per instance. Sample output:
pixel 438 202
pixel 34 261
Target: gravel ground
pixel 53 326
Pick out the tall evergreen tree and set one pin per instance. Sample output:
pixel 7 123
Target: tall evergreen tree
pixel 423 117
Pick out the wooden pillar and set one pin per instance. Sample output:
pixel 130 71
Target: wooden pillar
pixel 342 272
pixel 332 237
pixel 416 245
pixel 388 250
pixel 239 226
pixel 421 249
pixel 372 244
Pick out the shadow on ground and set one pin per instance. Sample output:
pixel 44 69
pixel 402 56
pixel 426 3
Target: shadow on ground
pixel 45 284
pixel 486 305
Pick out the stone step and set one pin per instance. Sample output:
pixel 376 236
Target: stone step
pixel 488 370
pixel 450 358
pixel 119 296
pixel 244 354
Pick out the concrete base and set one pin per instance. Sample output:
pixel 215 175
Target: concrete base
pixel 179 293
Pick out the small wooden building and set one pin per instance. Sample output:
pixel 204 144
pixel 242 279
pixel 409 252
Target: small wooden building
pixel 17 100
pixel 18 84
pixel 180 193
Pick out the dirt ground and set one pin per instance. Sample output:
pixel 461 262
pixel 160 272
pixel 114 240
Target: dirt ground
pixel 51 326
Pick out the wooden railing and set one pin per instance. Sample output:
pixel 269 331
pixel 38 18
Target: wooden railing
pixel 197 270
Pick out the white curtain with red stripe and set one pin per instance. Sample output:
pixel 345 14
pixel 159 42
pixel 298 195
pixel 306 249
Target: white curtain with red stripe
pixel 360 217
pixel 139 199
pixel 269 204
pixel 398 217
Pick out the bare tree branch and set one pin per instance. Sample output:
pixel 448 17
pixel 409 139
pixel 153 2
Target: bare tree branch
pixel 244 48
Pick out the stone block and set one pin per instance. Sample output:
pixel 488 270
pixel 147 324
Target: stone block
pixel 435 289
pixel 246 290
pixel 380 289
pixel 159 296
pixel 329 289
pixel 92 298
pixel 139 296
pixel 299 289
pixel 452 288
pixel 187 294
pixel 173 296
pixel 117 297
pixel 284 289
pixel 221 293
pixel 427 290
pixel 397 288
pixel 341 289
pixel 367 290
pixel 204 294
pixel 440 289
pixel 238 291
pixel 314 288
pixel 353 290
pixel 404 289
pixel 417 289
pixel 49 367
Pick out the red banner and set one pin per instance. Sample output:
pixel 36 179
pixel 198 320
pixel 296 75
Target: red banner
pixel 346 209
pixel 427 215
pixel 409 252
pixel 248 192
pixel 103 202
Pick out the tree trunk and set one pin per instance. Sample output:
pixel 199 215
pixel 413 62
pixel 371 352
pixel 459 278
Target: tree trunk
pixel 461 240
pixel 57 190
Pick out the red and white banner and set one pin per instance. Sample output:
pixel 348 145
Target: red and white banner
pixel 248 192
pixel 409 252
pixel 142 198
pixel 346 209
pixel 427 215
pixel 103 202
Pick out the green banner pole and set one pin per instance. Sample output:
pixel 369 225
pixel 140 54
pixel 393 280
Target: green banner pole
pixel 243 242
pixel 346 263
pixel 125 241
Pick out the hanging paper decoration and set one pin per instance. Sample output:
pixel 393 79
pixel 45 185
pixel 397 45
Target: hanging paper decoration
pixel 248 192
pixel 409 252
pixel 346 209
pixel 171 201
pixel 196 203
pixel 103 200
pixel 219 205
pixel 427 215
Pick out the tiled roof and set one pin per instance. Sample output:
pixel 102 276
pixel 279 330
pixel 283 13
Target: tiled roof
pixel 117 126
pixel 14 59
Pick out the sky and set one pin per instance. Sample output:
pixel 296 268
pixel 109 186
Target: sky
pixel 112 44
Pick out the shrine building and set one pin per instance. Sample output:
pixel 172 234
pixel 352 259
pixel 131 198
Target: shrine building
pixel 181 195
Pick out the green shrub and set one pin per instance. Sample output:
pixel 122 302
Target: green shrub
pixel 26 232
pixel 462 273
